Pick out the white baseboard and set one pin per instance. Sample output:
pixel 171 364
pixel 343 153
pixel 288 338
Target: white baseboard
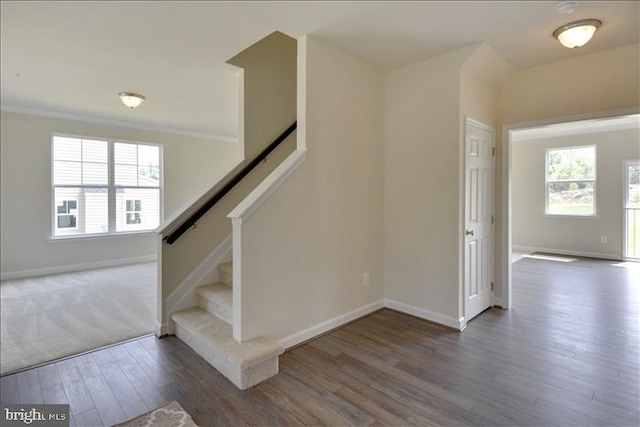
pixel 184 296
pixel 613 257
pixel 321 328
pixel 451 322
pixel 71 268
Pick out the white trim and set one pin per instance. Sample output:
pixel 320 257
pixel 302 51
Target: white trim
pixel 184 296
pixel 626 164
pixel 619 123
pixel 301 110
pixel 71 268
pixel 119 234
pixel 459 324
pixel 241 124
pixel 532 249
pixel 162 329
pixel 471 122
pixel 117 123
pixel 505 221
pixel 236 300
pixel 261 193
pixel 326 326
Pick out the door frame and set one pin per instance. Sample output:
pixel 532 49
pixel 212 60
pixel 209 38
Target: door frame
pixel 504 248
pixel 625 196
pixel 472 122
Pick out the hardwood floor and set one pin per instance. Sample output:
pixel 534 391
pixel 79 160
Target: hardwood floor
pixel 567 354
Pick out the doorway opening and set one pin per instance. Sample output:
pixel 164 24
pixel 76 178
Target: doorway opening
pixel 609 241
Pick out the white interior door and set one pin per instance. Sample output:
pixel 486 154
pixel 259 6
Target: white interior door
pixel 479 218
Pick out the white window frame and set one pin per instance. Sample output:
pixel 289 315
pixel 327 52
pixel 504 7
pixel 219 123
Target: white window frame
pixel 547 182
pixel 111 189
pixel 127 211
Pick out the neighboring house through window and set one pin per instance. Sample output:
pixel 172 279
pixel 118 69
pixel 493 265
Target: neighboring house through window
pixel 133 212
pixel 105 186
pixel 67 214
pixel 571 181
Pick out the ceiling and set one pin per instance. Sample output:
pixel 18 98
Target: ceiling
pixel 73 58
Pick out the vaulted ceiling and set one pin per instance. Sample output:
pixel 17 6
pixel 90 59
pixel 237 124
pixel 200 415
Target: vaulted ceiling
pixel 74 57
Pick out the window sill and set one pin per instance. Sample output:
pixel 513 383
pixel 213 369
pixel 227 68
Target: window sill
pixel 101 236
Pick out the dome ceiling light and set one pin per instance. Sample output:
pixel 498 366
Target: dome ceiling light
pixel 578 33
pixel 131 100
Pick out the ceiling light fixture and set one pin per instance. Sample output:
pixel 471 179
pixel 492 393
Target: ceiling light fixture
pixel 131 100
pixel 578 33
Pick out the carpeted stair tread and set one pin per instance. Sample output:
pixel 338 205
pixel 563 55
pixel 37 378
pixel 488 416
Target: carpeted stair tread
pixel 217 299
pixel 226 272
pixel 216 337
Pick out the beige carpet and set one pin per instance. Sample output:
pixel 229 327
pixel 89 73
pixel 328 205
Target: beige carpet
pixel 170 415
pixel 46 318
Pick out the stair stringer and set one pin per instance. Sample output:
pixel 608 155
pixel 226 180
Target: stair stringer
pixel 185 296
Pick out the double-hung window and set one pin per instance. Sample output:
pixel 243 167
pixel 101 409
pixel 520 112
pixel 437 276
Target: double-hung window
pixel 571 181
pixel 105 187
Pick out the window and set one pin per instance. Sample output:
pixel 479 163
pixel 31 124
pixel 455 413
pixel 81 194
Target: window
pixel 134 209
pixel 104 186
pixel 571 181
pixel 67 214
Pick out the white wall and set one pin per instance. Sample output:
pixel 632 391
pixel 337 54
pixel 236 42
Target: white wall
pixel 603 81
pixel 305 250
pixel 190 165
pixel 269 101
pixel 532 228
pixel 422 185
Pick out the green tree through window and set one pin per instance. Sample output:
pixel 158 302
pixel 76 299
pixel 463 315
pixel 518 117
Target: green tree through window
pixel 571 181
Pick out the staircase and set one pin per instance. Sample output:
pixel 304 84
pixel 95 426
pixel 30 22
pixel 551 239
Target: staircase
pixel 207 330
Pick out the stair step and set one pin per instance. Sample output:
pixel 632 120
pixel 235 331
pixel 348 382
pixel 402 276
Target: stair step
pixel 217 299
pixel 226 272
pixel 244 364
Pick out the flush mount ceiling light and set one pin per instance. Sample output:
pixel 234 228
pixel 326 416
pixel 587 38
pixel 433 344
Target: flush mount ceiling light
pixel 578 33
pixel 131 100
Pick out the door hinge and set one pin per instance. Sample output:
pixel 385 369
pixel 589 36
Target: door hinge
pixel 492 219
pixel 491 285
pixel 493 152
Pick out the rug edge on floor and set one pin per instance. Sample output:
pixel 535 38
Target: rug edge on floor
pixel 171 414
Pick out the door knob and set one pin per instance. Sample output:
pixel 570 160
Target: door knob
pixel 468 232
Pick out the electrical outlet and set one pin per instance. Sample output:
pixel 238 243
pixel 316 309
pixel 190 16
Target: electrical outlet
pixel 366 279
pixel 603 239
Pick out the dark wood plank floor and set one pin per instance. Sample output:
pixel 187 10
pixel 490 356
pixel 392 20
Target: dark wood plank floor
pixel 567 354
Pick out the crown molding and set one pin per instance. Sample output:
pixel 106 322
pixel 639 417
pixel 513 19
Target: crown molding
pixel 116 123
